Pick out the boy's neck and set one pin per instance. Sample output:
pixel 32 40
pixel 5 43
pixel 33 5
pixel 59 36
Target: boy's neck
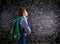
pixel 24 16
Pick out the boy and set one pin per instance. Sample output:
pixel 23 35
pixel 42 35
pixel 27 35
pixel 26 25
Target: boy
pixel 24 24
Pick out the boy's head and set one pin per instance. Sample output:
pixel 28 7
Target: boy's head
pixel 22 12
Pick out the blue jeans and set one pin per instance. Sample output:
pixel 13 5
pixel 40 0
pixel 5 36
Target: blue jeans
pixel 22 40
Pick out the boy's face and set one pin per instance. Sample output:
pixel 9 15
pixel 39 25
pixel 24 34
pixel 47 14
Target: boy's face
pixel 25 13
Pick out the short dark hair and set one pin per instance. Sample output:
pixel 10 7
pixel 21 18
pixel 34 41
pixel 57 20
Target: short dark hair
pixel 21 10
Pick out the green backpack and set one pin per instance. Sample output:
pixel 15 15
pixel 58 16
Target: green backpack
pixel 15 30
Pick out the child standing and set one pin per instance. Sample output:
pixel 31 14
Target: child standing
pixel 24 24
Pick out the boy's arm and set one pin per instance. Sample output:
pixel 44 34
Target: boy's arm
pixel 25 25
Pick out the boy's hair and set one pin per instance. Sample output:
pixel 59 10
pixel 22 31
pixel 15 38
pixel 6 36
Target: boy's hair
pixel 21 10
